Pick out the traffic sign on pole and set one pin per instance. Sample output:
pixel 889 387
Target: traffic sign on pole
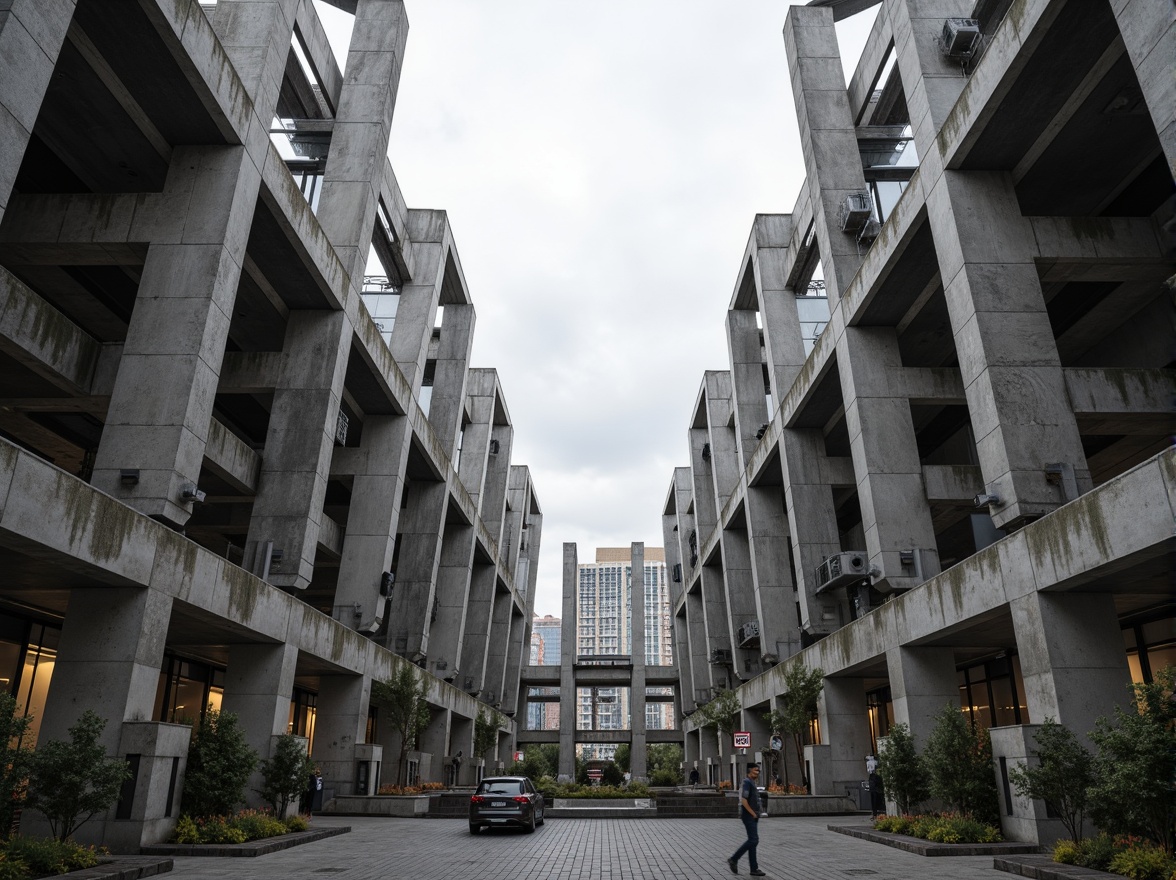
pixel 742 739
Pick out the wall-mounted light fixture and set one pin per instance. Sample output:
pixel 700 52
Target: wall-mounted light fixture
pixel 129 476
pixel 189 492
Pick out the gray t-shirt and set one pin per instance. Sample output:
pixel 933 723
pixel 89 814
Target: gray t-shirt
pixel 750 793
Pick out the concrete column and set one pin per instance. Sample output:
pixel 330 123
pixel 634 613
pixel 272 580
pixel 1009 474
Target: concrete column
pixel 454 576
pixel 922 682
pixel 461 748
pixel 1016 392
pixel 845 728
pixel 827 137
pixel 496 656
pixel 161 404
pixel 895 514
pixel 718 629
pixel 931 83
pixel 637 762
pixel 359 142
pixel 288 508
pixel 696 656
pixel 771 570
pixel 108 660
pixel 421 528
pixel 479 613
pixel 724 452
pixel 259 681
pixel 568 650
pixel 434 742
pixel 416 313
pixel 779 321
pixel 813 526
pixel 1151 45
pixel 372 520
pixel 741 599
pixel 340 726
pixel 32 33
pixel 684 690
pixel 256 36
pixel 481 401
pixel 447 407
pixel 747 380
pixel 518 645
pixel 1072 657
pixel 493 501
pixel 701 466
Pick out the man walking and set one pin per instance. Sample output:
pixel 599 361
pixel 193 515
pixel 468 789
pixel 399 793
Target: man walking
pixel 749 812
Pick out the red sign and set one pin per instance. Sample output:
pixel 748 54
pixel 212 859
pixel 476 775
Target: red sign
pixel 518 756
pixel 742 739
pixel 595 774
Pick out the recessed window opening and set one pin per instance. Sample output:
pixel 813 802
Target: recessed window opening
pixel 380 295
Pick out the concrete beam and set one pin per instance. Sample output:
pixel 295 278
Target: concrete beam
pixel 231 458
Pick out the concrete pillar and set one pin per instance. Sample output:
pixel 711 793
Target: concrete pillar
pixel 108 660
pixel 637 757
pixel 741 608
pixel 161 404
pixel 779 322
pixel 771 569
pixel 747 380
pixel 447 406
pixel 845 728
pixel 895 514
pixel 434 741
pixel 416 313
pixel 259 682
pixel 724 451
pixel 567 667
pixel 827 137
pixel 922 682
pixel 684 690
pixel 1072 657
pixel 454 576
pixel 1151 45
pixel 372 520
pixel 813 526
pixel 341 726
pixel 518 646
pixel 1016 392
pixel 256 36
pixel 479 613
pixel 288 509
pixel 718 630
pixel 931 83
pixel 421 526
pixel 496 655
pixel 697 648
pixel 701 464
pixel 32 33
pixel 461 749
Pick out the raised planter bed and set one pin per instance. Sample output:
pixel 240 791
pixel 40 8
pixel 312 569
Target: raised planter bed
pixel 602 808
pixel 921 847
pixel 399 806
pixel 1043 867
pixel 124 868
pixel 252 848
pixel 810 805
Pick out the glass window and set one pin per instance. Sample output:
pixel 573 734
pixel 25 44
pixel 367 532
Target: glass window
pixel 36 674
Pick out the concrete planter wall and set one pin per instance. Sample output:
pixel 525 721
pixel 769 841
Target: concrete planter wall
pixel 397 806
pixel 809 805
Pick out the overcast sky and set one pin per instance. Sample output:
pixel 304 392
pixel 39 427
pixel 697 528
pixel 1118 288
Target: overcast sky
pixel 601 165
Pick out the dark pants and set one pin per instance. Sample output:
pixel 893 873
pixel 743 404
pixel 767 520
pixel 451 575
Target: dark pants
pixel 751 826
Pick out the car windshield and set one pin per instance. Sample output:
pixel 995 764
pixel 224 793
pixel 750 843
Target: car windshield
pixel 501 786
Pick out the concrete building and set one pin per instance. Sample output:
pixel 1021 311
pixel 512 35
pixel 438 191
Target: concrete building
pixel 543 703
pixel 221 481
pixel 961 492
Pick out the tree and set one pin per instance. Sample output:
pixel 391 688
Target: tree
pixel 803 688
pixel 621 757
pixel 286 775
pixel 14 765
pixel 959 760
pixel 1064 773
pixel 777 724
pixel 903 774
pixel 71 782
pixel 404 697
pixel 1136 763
pixel 664 758
pixel 220 762
pixel 486 727
pixel 721 715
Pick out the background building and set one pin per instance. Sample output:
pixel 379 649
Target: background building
pixel 944 474
pixel 222 483
pixel 546 642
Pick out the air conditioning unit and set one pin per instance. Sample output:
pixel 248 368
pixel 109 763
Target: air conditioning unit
pixel 749 634
pixel 720 656
pixel 841 569
pixel 960 38
pixel 869 231
pixel 855 211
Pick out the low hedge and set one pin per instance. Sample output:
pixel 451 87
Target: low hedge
pixel 550 789
pixel 1129 856
pixel 944 828
pixel 239 828
pixel 22 858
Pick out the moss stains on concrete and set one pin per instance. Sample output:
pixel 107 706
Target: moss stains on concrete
pixel 106 525
pixel 244 591
pixel 1057 535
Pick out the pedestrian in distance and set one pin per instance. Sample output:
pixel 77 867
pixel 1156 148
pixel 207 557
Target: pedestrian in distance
pixel 749 813
pixel 694 777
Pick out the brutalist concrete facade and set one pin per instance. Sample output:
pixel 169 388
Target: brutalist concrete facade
pixel 980 435
pixel 220 480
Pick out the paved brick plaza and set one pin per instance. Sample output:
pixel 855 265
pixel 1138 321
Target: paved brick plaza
pixel 582 849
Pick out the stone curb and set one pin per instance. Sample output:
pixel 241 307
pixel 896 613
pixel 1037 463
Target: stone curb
pixel 926 848
pixel 124 868
pixel 1045 868
pixel 247 850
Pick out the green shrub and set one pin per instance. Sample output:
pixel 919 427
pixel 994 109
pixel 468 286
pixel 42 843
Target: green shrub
pixel 1066 852
pixel 1063 775
pixel 186 831
pixel 217 829
pixel 637 789
pixel 219 764
pixel 958 758
pixel 893 824
pixel 256 824
pixel 949 828
pixel 13 869
pixel 1143 863
pixel 286 775
pixel 1095 852
pixel 297 823
pixel 665 777
pixel 904 775
pixel 41 857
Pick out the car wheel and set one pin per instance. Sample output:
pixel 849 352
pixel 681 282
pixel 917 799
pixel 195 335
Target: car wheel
pixel 530 826
pixel 474 829
pixel 542 818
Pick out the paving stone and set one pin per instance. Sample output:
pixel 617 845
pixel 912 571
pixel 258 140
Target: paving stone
pixel 792 848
